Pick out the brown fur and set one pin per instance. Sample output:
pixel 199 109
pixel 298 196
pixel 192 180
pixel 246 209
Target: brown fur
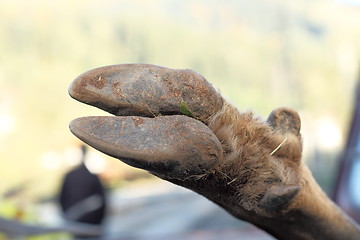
pixel 258 156
pixel 248 142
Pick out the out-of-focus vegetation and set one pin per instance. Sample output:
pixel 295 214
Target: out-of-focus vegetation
pixel 260 54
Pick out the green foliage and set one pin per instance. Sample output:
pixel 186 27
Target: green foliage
pixel 184 109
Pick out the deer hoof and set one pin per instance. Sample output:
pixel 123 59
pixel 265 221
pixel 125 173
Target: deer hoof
pixel 169 146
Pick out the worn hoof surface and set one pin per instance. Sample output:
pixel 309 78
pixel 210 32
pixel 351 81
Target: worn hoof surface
pixel 168 146
pixel 146 90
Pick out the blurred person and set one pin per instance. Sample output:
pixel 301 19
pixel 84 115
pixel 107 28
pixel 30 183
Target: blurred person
pixel 82 196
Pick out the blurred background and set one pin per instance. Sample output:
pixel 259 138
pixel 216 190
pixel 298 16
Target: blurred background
pixel 261 54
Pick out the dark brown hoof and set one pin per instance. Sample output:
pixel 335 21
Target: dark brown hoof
pixel 277 197
pixel 168 146
pixel 146 90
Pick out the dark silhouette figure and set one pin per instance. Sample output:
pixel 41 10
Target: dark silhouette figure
pixel 82 196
